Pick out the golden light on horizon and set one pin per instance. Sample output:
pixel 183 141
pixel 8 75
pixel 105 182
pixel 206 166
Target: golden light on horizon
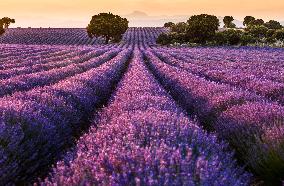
pixel 77 13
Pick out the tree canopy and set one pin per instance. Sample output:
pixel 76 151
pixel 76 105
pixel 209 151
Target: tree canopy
pixel 257 22
pixel 107 25
pixel 273 24
pixel 6 21
pixel 228 22
pixel 247 20
pixel 169 24
pixel 202 27
pixel 180 27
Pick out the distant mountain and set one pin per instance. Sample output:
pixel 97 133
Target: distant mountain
pixel 142 19
pixel 137 14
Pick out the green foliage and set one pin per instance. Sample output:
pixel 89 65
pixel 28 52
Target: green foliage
pixel 179 27
pixel 257 31
pixel 247 38
pixel 7 21
pixel 228 37
pixel 202 28
pixel 279 35
pixel 107 25
pixel 166 39
pixel 247 20
pixel 270 35
pixel 163 39
pixel 228 22
pixel 232 25
pixel 169 24
pixel 273 24
pixel 257 22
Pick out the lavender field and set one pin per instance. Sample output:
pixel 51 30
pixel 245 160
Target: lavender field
pixel 76 111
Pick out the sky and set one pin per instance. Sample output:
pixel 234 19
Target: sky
pixel 77 13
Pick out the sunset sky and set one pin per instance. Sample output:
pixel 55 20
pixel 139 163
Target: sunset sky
pixel 77 13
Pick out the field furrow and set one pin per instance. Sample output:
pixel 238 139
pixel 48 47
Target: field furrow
pixel 37 125
pixel 248 123
pixel 143 138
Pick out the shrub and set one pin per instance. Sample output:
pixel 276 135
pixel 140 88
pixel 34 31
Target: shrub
pixel 270 35
pixel 220 38
pixel 179 27
pixel 233 36
pixel 273 25
pixel 166 39
pixel 257 22
pixel 202 28
pixel 228 37
pixel 247 38
pixel 257 31
pixel 279 35
pixel 169 24
pixel 163 39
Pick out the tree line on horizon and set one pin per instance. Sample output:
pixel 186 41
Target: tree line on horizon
pixel 204 29
pixel 200 29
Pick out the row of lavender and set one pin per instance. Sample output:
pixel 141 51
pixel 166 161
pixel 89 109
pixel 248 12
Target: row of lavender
pixel 73 36
pixel 49 36
pixel 25 55
pixel 251 124
pixel 262 77
pixel 263 61
pixel 37 124
pixel 37 70
pixel 144 138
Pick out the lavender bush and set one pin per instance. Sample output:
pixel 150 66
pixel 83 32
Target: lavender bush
pixel 37 125
pixel 143 138
pixel 244 127
pixel 53 82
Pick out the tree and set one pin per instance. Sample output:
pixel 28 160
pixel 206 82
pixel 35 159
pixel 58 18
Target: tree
pixel 7 21
pixel 107 25
pixel 228 22
pixel 273 25
pixel 228 37
pixel 202 28
pixel 2 30
pixel 169 24
pixel 179 27
pixel 257 22
pixel 247 20
pixel 247 38
pixel 258 31
pixel 279 35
